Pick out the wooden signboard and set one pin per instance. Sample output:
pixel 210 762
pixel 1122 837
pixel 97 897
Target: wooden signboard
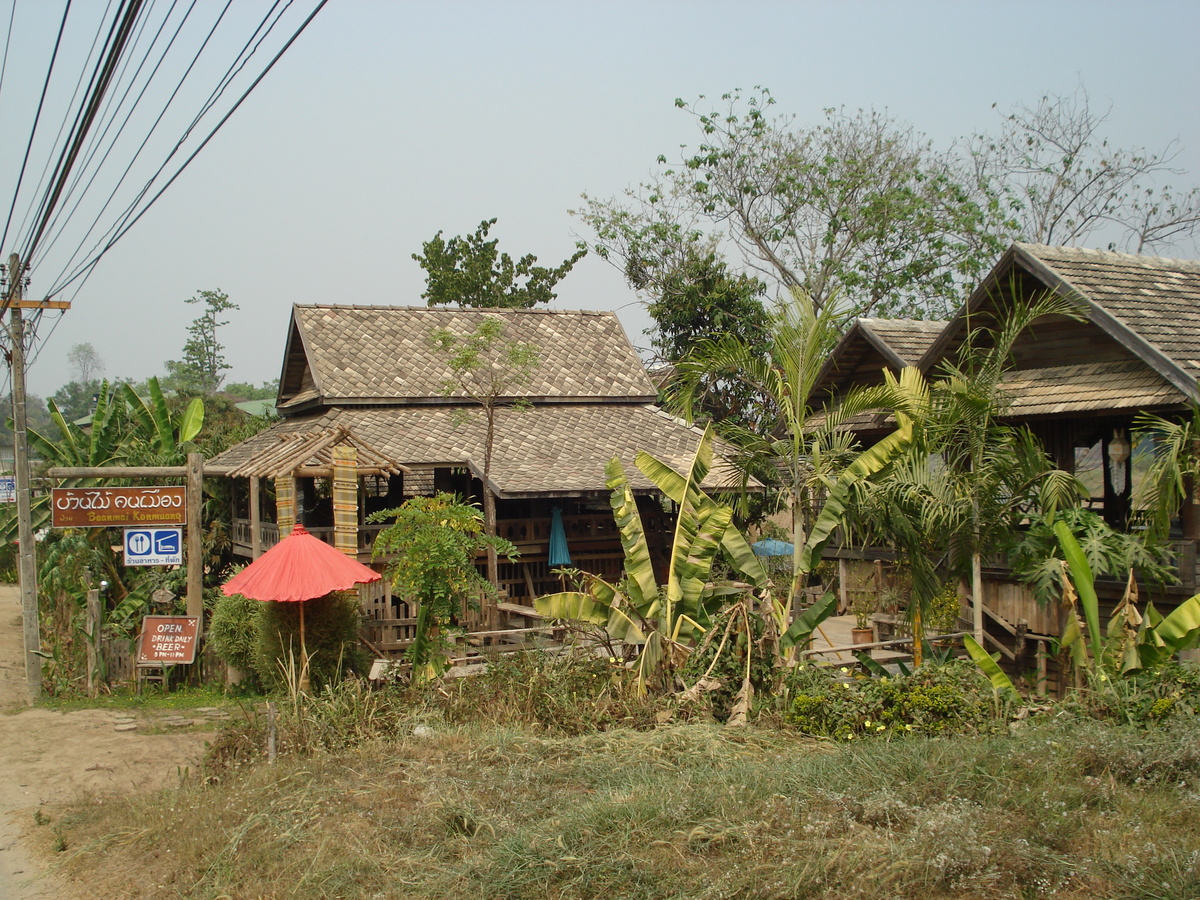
pixel 120 507
pixel 168 640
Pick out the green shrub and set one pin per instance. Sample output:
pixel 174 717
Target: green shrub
pixel 728 636
pixel 331 626
pixel 234 630
pixel 953 698
pixel 567 693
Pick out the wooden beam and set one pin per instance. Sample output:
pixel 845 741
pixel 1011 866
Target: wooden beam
pixel 40 304
pixel 116 472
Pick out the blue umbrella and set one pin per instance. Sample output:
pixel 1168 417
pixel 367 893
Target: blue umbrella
pixel 772 547
pixel 560 555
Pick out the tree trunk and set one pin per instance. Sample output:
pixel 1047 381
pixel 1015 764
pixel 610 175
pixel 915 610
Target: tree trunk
pixel 489 499
pixel 976 578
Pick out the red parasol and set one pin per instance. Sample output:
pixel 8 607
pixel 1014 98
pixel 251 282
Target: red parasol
pixel 296 569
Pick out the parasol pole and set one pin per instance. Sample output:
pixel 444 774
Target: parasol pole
pixel 304 685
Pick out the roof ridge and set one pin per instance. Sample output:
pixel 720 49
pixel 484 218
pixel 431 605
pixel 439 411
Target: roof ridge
pixel 455 309
pixel 1140 258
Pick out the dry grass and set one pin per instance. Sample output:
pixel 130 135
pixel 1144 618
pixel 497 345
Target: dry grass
pixel 1078 809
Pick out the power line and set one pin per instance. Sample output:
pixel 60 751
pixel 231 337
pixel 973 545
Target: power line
pixel 21 177
pixel 86 269
pixel 7 39
pixel 67 160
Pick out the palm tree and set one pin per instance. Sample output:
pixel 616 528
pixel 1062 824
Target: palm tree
pixel 994 465
pixel 797 452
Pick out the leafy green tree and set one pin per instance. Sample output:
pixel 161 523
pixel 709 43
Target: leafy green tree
pixel 203 366
pixel 76 399
pixel 470 271
pixel 487 368
pixel 860 207
pixel 433 542
pixel 244 390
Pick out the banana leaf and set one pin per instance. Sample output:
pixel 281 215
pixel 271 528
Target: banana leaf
pixel 806 623
pixel 1085 584
pixel 1001 683
pixel 642 587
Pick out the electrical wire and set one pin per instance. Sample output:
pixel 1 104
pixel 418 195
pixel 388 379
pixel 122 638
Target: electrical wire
pixel 63 125
pixel 37 117
pixel 7 40
pixel 85 271
pixel 84 123
pixel 112 195
pixel 99 167
pixel 215 95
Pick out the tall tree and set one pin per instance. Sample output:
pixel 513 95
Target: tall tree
pixel 487 368
pixel 860 206
pixel 203 366
pixel 470 271
pixel 1060 181
pixel 85 363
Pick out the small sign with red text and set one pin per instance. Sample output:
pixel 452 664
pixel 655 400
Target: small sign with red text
pixel 168 640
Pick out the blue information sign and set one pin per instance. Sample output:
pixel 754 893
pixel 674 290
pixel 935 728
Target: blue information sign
pixel 153 546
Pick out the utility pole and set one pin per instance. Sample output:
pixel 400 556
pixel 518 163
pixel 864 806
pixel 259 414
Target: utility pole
pixel 26 560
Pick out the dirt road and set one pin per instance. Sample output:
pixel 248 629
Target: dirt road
pixel 48 756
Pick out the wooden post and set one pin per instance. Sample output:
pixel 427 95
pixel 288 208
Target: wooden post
pixel 1041 669
pixel 285 504
pixel 94 624
pixel 195 538
pixel 255 517
pixel 843 588
pixel 345 499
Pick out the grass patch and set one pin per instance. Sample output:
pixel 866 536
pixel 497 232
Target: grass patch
pixel 182 697
pixel 1061 809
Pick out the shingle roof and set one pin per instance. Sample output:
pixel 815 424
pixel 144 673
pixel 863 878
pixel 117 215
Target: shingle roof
pixel 558 449
pixel 908 338
pixel 1157 299
pixel 365 354
pixel 1086 388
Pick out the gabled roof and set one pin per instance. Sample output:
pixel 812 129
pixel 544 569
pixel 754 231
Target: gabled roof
pixel 869 346
pixel 384 355
pixel 1150 306
pixel 557 449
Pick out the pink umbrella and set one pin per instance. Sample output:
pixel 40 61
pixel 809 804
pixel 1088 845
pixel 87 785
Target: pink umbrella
pixel 296 569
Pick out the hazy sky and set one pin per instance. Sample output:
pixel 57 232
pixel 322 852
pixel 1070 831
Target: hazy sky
pixel 388 121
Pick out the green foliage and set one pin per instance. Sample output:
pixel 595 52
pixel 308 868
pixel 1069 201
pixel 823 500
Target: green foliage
pixel 1132 642
pixel 860 206
pixel 953 698
pixel 433 543
pixel 1036 556
pixel 331 627
pixel 484 366
pixel 76 399
pixel 734 663
pixel 203 366
pixel 567 693
pixel 1175 461
pixel 470 271
pixel 662 620
pixel 234 630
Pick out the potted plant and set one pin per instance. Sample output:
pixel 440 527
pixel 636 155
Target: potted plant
pixel 863 607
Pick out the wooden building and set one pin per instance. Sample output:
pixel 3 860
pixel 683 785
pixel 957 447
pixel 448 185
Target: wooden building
pixel 1076 383
pixel 368 382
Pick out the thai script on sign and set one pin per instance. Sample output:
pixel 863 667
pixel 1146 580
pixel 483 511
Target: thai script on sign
pixel 123 506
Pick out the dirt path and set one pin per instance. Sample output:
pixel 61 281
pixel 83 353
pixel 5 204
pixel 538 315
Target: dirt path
pixel 48 756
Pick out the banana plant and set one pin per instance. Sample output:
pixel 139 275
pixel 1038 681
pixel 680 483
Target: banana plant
pixel 1132 641
pixel 662 620
pixel 163 437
